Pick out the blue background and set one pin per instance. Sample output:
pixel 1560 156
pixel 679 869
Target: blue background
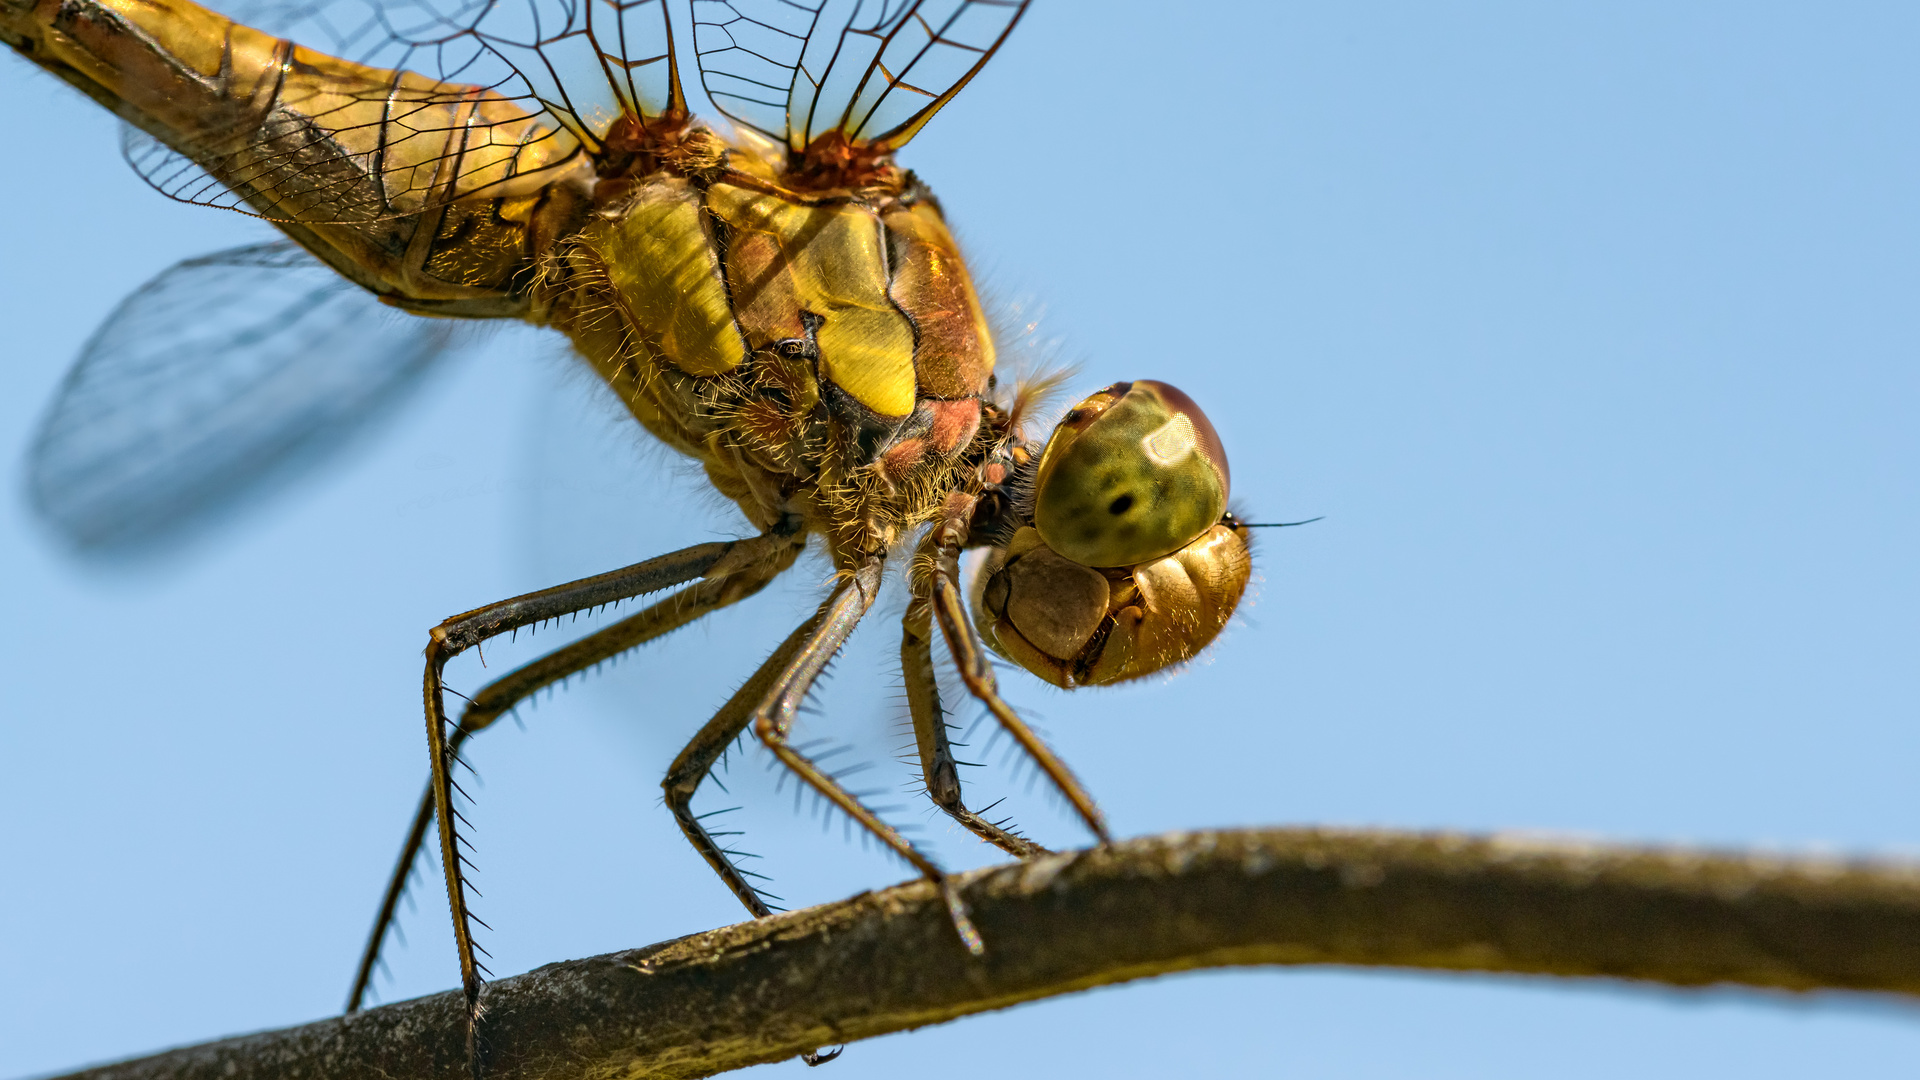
pixel 1590 327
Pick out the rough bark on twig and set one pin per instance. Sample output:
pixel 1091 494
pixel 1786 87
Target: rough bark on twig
pixel 887 961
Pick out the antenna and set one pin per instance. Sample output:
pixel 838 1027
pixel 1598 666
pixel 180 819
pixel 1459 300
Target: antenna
pixel 1281 524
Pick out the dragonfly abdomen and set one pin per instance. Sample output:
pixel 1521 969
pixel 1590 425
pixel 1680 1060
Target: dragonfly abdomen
pixel 417 189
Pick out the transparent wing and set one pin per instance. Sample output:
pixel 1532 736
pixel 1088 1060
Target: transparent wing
pixel 221 375
pixel 348 111
pixel 874 71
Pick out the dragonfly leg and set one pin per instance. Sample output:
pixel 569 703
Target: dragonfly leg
pixel 501 695
pixel 455 635
pixel 390 902
pixel 697 760
pixel 773 722
pixel 937 765
pixel 976 671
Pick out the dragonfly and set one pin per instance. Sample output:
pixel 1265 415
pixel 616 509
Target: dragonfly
pixel 775 298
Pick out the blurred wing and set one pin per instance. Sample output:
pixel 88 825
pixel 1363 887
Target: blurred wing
pixel 220 375
pixel 350 111
pixel 874 71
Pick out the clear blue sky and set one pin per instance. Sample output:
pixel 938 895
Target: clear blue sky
pixel 1590 327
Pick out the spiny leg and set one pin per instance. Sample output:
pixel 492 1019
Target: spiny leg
pixel 697 759
pixel 976 671
pixel 773 722
pixel 396 888
pixel 501 695
pixel 937 764
pixel 461 632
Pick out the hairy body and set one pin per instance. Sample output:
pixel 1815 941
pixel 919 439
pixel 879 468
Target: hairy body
pixel 796 318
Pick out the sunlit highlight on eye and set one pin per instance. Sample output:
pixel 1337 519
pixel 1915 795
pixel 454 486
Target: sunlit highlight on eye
pixel 1171 442
pixel 1132 474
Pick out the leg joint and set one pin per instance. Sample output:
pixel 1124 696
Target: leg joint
pixel 679 789
pixel 438 650
pixel 980 684
pixel 943 787
pixel 768 729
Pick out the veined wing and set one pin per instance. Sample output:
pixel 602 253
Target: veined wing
pixel 382 109
pixel 868 71
pixel 210 383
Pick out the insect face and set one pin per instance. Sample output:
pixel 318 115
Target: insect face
pixel 1130 563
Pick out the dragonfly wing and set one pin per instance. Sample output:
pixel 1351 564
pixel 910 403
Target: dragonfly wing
pixel 584 63
pixel 419 103
pixel 873 71
pixel 213 380
pixel 386 108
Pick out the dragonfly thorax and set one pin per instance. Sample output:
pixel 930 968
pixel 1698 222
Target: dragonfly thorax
pixel 821 353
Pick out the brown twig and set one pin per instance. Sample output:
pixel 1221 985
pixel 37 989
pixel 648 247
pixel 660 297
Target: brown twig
pixel 886 961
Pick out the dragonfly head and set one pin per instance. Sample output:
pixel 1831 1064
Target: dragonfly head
pixel 1127 561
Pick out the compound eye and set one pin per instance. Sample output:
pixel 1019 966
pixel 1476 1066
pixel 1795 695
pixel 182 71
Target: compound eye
pixel 1133 473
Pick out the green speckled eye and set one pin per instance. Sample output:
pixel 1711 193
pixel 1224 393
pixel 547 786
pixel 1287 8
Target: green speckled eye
pixel 1133 473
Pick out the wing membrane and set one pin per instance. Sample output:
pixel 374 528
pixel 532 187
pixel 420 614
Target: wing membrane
pixel 209 383
pixel 389 107
pixel 873 71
